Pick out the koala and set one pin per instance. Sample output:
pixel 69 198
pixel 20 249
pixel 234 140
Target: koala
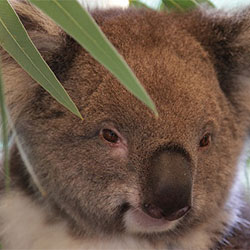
pixel 123 178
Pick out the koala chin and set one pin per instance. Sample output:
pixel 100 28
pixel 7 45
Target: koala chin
pixel 123 178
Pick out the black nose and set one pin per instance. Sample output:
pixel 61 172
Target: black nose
pixel 170 186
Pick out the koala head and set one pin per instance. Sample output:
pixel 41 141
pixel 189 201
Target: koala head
pixel 121 169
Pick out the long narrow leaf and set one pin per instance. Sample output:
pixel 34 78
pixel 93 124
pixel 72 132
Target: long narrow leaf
pixel 137 4
pixel 182 5
pixel 80 25
pixel 24 157
pixel 4 135
pixel 14 39
pixel 247 174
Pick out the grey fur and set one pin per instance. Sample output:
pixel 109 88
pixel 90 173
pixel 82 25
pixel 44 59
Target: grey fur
pixel 195 67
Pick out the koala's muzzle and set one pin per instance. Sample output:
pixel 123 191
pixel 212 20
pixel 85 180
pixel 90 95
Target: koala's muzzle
pixel 170 186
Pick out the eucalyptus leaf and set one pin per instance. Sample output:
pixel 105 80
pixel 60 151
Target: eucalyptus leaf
pixel 4 136
pixel 15 40
pixel 183 5
pixel 80 25
pixel 137 4
pixel 247 174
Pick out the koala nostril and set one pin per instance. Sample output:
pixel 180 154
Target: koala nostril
pixel 157 213
pixel 153 211
pixel 178 214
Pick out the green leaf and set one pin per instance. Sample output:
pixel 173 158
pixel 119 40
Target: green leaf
pixel 183 5
pixel 15 40
pixel 80 25
pixel 4 135
pixel 137 4
pixel 247 174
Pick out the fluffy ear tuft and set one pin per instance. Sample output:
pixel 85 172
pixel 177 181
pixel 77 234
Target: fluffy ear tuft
pixel 45 34
pixel 56 47
pixel 51 41
pixel 226 38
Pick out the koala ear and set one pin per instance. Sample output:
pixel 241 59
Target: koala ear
pixel 226 38
pixel 56 47
pixel 44 33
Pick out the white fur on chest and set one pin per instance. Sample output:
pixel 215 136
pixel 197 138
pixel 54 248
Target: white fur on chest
pixel 23 225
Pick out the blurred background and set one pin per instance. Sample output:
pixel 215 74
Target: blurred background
pixel 226 4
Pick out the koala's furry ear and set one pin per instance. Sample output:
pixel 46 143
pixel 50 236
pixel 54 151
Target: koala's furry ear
pixel 45 34
pixel 226 38
pixel 56 47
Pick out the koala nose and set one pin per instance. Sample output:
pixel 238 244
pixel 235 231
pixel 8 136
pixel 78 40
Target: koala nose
pixel 170 186
pixel 158 213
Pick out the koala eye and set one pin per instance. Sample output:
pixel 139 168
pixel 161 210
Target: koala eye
pixel 109 135
pixel 205 141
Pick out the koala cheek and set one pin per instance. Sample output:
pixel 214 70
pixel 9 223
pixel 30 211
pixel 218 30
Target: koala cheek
pixel 120 151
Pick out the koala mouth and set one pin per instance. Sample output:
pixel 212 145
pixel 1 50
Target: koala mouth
pixel 138 221
pixel 166 196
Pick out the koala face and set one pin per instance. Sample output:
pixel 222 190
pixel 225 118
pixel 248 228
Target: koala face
pixel 121 169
